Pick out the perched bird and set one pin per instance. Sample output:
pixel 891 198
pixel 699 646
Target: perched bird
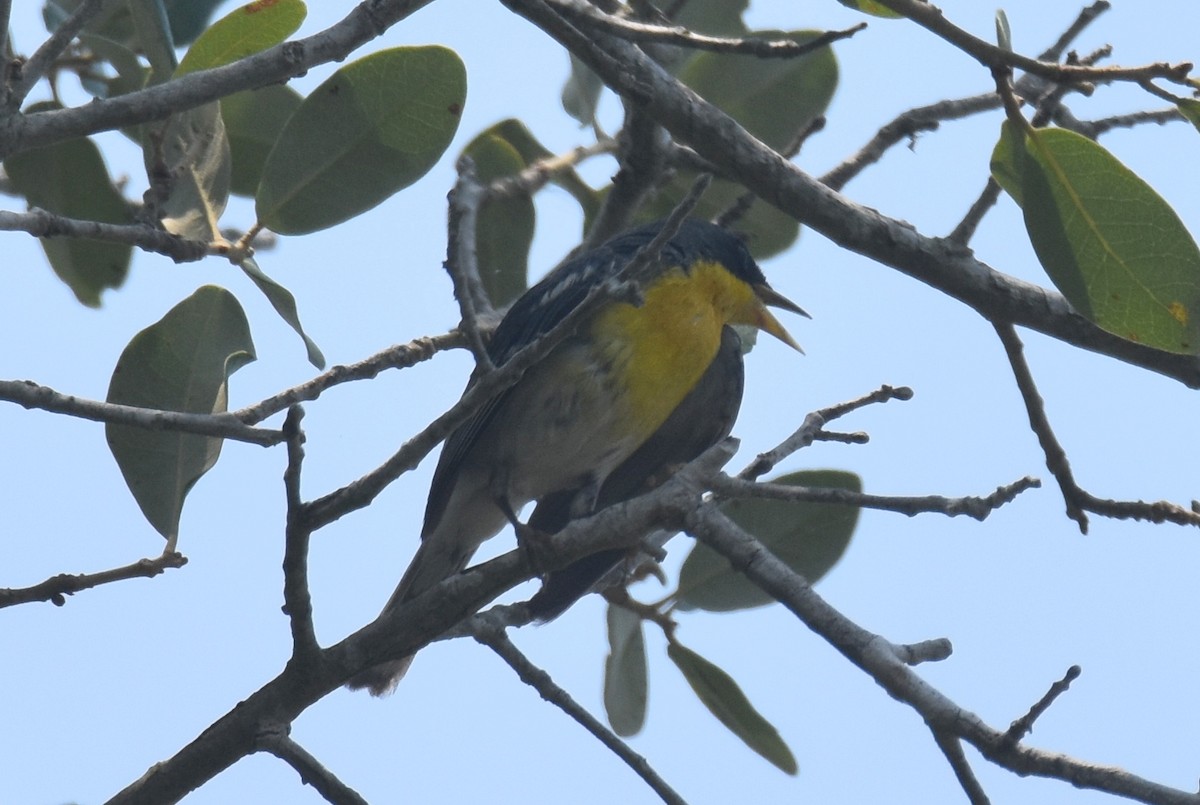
pixel 579 417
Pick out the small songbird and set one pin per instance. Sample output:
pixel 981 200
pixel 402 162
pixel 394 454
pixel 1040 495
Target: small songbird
pixel 636 391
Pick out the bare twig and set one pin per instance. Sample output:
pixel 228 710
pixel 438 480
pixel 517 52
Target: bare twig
pixel 682 37
pixel 462 263
pixel 277 742
pixel 879 659
pixel 965 230
pixel 400 356
pixel 930 17
pixel 951 747
pixel 642 157
pixel 977 507
pixel 39 63
pixel 1024 725
pixel 56 588
pixel 1077 500
pixel 297 602
pixel 43 224
pixel 226 426
pixel 812 429
pixel 1086 17
pixel 539 680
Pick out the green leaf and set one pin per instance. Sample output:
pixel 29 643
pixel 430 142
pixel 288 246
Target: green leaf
pixel 772 98
pixel 1190 109
pixel 625 682
pixel 180 363
pixel 189 157
pixel 1113 247
pixel 504 229
pixel 1003 31
pixel 871 7
pixel 69 178
pixel 808 537
pixel 253 122
pixel 374 127
pixel 1004 166
pixel 285 305
pixel 725 700
pixel 248 30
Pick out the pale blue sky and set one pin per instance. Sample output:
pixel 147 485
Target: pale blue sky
pixel 123 676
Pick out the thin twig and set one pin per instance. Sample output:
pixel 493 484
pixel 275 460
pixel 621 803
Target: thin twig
pixel 976 507
pixel 812 428
pixel 278 743
pixel 965 230
pixel 679 36
pixel 539 680
pixel 297 601
pixel 951 747
pixel 1086 17
pixel 462 261
pixel 400 356
pixel 56 588
pixel 40 62
pixel 1078 500
pixel 226 426
pixel 930 17
pixel 43 224
pixel 1024 725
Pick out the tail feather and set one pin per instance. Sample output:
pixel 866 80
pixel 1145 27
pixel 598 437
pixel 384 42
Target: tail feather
pixel 430 566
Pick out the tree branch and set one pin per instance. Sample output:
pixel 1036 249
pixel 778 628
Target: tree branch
pixel 297 601
pixel 1078 501
pixel 494 638
pixel 43 224
pixel 977 507
pixel 878 658
pixel 278 743
pixel 278 64
pixel 56 588
pixel 226 426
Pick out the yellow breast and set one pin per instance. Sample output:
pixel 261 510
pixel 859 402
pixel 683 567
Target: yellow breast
pixel 658 351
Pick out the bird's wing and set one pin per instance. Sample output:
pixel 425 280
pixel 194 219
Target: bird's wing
pixel 534 314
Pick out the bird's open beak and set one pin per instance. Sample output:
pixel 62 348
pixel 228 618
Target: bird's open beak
pixel 768 323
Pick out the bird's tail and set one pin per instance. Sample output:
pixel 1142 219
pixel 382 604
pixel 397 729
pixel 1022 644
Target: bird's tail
pixel 431 564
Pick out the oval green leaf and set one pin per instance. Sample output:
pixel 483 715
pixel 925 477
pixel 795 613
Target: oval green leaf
pixel 182 362
pixel 1109 242
pixel 69 178
pixel 285 305
pixel 253 122
pixel 625 672
pixel 808 537
pixel 725 700
pixel 245 31
pixel 374 127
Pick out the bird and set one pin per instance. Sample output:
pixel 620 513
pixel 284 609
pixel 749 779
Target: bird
pixel 635 390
